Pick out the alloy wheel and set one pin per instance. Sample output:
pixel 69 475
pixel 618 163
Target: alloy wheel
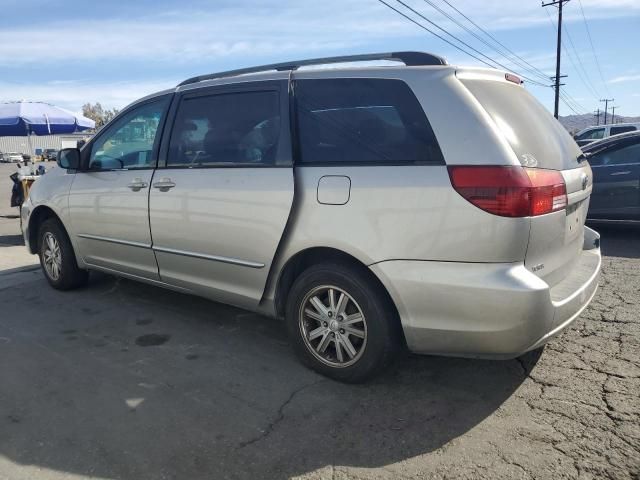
pixel 333 326
pixel 52 257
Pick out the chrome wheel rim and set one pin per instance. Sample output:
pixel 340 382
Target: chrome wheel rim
pixel 333 326
pixel 52 256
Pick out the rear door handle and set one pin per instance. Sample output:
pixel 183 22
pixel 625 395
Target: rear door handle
pixel 164 184
pixel 626 172
pixel 137 184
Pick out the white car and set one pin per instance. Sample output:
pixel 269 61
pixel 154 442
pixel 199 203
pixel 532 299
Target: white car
pixel 591 134
pixel 12 157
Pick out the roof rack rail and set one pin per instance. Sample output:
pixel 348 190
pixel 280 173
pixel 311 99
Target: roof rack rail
pixel 410 59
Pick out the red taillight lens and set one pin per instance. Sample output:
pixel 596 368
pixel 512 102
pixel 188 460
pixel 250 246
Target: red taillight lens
pixel 510 191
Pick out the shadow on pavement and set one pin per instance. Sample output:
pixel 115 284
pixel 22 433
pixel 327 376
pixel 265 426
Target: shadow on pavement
pixel 619 240
pixel 211 392
pixel 11 240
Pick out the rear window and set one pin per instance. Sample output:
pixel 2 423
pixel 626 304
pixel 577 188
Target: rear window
pixel 362 121
pixel 617 130
pixel 537 138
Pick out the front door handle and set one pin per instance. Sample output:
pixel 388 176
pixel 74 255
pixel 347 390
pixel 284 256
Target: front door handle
pixel 164 184
pixel 137 184
pixel 626 172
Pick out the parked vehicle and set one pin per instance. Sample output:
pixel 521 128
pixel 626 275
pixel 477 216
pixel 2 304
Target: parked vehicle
pixel 616 183
pixel 426 204
pixel 12 157
pixel 593 134
pixel 49 154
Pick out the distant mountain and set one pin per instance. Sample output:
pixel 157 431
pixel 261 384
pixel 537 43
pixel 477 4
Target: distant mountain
pixel 574 123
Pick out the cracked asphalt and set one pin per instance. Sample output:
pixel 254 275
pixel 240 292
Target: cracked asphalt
pixel 126 381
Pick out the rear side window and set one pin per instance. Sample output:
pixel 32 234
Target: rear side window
pixel 629 154
pixel 362 121
pixel 240 128
pixel 617 130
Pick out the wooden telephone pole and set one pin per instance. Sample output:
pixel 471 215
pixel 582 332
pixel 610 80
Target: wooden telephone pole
pixel 557 77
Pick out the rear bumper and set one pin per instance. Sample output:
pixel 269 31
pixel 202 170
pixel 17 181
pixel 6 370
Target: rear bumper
pixel 486 310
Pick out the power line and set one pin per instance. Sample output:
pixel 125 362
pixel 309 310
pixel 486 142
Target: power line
pixel 495 39
pixel 434 33
pixel 535 82
pixel 570 103
pixel 574 101
pixel 568 100
pixel 514 58
pixel 586 80
pixel 593 50
pixel 450 34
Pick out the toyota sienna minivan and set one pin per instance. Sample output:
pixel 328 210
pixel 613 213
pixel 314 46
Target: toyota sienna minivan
pixel 417 204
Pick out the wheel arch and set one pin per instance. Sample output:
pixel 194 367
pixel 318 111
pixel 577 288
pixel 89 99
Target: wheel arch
pixel 39 215
pixel 315 255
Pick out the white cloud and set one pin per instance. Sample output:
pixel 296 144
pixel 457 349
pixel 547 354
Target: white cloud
pixel 625 78
pixel 72 95
pixel 237 33
pixel 251 28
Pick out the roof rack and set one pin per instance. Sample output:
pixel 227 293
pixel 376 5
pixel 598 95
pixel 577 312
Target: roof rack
pixel 410 59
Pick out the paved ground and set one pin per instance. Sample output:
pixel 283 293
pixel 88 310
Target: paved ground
pixel 125 381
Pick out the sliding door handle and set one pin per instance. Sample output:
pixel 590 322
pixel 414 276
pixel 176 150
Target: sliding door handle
pixel 626 172
pixel 137 184
pixel 164 184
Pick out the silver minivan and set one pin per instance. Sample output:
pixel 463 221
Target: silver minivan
pixel 421 205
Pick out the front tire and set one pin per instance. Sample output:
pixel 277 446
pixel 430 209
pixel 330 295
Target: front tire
pixel 57 258
pixel 341 323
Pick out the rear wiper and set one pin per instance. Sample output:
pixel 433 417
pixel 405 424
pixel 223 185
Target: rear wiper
pixel 583 156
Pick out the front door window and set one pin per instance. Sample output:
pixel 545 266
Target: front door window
pixel 128 143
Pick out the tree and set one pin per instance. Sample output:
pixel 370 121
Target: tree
pixel 98 114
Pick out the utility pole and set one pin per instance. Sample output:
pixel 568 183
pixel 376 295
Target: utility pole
pixel 606 105
pixel 559 3
pixel 613 114
pixel 597 115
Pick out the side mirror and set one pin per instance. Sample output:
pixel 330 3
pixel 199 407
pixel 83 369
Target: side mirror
pixel 69 158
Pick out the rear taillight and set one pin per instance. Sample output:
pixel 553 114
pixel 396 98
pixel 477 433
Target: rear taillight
pixel 510 191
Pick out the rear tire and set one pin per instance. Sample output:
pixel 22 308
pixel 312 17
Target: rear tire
pixel 57 258
pixel 323 314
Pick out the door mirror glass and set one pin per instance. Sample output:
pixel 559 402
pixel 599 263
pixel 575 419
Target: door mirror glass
pixel 69 158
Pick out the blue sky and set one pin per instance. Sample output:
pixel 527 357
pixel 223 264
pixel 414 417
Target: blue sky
pixel 71 52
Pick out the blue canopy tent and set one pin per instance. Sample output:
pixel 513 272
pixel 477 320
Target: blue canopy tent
pixel 37 118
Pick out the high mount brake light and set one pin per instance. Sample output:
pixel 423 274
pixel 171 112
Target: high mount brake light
pixel 512 78
pixel 510 191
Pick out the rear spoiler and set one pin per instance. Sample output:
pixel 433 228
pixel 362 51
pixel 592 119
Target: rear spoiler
pixel 478 73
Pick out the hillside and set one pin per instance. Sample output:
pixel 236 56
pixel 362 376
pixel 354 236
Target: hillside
pixel 574 123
